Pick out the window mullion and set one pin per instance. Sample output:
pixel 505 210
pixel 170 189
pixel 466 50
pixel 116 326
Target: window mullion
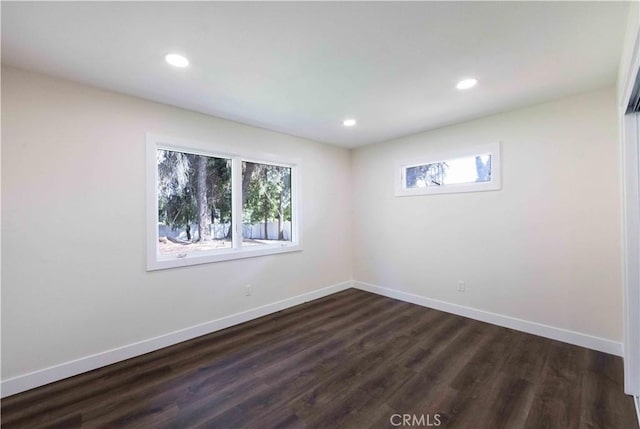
pixel 236 198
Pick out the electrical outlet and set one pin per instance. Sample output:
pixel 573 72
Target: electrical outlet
pixel 461 286
pixel 247 290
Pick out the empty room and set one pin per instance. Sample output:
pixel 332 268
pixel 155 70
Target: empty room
pixel 320 215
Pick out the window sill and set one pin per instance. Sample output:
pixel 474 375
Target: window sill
pixel 161 263
pixel 449 189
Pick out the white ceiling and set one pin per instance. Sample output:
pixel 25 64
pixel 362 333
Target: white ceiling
pixel 302 67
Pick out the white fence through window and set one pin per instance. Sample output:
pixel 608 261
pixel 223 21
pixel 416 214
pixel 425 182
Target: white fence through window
pixel 219 231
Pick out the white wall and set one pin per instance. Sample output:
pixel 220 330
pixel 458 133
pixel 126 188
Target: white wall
pixel 546 248
pixel 625 72
pixel 74 161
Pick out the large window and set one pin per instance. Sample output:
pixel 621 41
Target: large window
pixel 207 206
pixel 469 170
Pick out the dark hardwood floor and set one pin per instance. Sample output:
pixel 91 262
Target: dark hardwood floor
pixel 350 360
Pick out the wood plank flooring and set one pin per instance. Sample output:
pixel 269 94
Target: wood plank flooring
pixel 350 360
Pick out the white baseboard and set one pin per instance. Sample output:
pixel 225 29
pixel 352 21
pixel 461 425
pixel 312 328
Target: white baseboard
pixel 636 401
pixel 41 377
pixel 564 335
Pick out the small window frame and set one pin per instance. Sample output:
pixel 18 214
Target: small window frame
pixel 155 261
pixel 494 184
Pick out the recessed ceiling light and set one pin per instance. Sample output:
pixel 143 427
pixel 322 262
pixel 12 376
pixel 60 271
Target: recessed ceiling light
pixel 466 83
pixel 177 60
pixel 349 122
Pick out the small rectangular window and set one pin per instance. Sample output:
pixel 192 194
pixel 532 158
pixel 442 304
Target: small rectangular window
pixel 470 170
pixel 208 206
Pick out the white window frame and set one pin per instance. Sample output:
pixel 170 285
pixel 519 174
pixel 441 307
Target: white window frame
pixel 494 184
pixel 155 261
